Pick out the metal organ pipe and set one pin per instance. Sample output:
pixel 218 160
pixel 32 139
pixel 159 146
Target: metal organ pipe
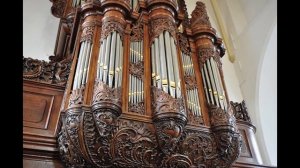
pixel 172 85
pixel 176 71
pixel 75 83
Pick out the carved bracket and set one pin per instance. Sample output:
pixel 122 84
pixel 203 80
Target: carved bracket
pixel 58 8
pixel 46 72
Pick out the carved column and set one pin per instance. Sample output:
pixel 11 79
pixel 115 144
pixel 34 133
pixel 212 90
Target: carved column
pixel 209 51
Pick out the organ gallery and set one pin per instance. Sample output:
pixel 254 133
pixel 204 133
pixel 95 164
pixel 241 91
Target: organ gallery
pixel 133 83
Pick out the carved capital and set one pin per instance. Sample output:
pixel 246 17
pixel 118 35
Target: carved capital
pixel 199 15
pixel 205 53
pixel 58 8
pixel 159 25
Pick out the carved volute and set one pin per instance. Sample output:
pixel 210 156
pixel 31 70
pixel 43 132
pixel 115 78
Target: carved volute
pixel 139 92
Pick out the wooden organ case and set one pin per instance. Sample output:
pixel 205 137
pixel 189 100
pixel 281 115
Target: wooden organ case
pixel 134 83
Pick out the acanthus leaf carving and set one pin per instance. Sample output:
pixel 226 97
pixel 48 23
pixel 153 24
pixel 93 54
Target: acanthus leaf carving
pixel 46 72
pixel 194 119
pixel 205 53
pixel 190 82
pixel 199 15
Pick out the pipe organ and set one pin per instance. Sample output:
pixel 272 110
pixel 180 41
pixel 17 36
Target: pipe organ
pixel 146 87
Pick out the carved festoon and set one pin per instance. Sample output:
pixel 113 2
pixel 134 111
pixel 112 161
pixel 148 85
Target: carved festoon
pixel 46 72
pixel 110 26
pixel 87 34
pixel 137 33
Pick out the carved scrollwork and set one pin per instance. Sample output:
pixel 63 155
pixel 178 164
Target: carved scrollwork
pixel 200 147
pixel 184 44
pixel 138 108
pixel 110 26
pixel 76 97
pixel 134 145
pixel 137 33
pixel 240 111
pixel 190 82
pixel 137 69
pixel 103 93
pixel 177 161
pixel 46 72
pixel 58 8
pixel 199 15
pixel 87 34
pixel 160 25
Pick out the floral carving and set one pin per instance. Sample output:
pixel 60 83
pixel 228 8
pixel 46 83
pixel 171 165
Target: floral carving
pixel 76 97
pixel 160 25
pixel 220 117
pixel 137 33
pixel 87 34
pixel 184 44
pixel 137 108
pixel 194 119
pixel 176 160
pixel 240 111
pixel 199 15
pixel 137 69
pixel 110 26
pixel 103 92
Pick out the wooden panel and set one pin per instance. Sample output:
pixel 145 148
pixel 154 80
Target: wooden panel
pixel 41 104
pixel 36 109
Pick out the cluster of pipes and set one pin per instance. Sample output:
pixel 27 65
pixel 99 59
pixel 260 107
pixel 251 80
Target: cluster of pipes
pixel 82 64
pixel 136 85
pixel 110 60
pixel 213 87
pixel 165 73
pixel 192 94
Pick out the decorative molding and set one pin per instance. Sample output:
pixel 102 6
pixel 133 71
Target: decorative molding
pixel 184 44
pixel 240 111
pixel 46 72
pixel 199 15
pixel 137 32
pixel 137 108
pixel 110 26
pixel 58 8
pixel 159 25
pixel 87 34
pixel 137 70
